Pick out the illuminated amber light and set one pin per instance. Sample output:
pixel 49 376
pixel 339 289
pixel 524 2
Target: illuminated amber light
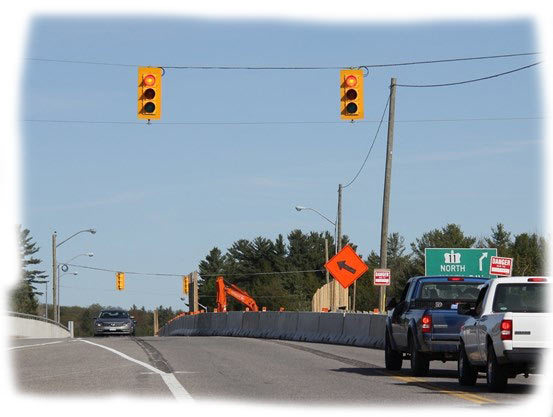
pixel 351 81
pixel 149 80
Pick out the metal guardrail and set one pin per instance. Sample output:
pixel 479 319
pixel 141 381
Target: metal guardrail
pixel 33 317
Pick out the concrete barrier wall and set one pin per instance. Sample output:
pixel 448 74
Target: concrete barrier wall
pixel 27 327
pixel 234 323
pixel 331 326
pixel 336 328
pixel 308 327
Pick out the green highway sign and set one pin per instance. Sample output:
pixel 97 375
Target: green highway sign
pixel 468 262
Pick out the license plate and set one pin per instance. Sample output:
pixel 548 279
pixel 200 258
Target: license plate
pixel 112 330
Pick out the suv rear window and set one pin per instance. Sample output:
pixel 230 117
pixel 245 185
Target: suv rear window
pixel 520 298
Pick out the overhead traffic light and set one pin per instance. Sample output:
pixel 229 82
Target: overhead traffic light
pixel 351 94
pixel 120 280
pixel 149 93
pixel 185 285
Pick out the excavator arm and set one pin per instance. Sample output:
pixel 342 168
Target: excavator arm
pixel 232 290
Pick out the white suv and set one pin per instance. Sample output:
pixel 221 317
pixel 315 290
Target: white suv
pixel 507 331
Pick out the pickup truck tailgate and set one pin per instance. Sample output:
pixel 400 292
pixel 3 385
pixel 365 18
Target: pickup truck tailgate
pixel 531 330
pixel 446 324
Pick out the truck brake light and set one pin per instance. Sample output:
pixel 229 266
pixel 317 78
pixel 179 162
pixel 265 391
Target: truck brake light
pixel 426 323
pixel 537 279
pixel 507 330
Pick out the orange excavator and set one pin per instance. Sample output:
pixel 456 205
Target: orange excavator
pixel 223 289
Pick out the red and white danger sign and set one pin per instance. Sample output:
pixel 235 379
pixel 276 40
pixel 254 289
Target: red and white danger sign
pixel 382 276
pixel 501 266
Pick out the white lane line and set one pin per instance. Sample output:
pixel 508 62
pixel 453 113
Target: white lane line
pixel 36 344
pixel 175 372
pixel 172 383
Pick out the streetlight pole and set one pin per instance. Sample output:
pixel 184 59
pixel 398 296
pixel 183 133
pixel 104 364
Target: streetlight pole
pixel 54 277
pixel 55 281
pixel 61 264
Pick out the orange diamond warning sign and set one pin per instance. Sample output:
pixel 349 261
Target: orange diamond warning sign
pixel 346 266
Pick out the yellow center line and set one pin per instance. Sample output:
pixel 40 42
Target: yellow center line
pixel 425 384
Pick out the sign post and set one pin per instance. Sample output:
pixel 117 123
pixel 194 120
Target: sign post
pixel 468 262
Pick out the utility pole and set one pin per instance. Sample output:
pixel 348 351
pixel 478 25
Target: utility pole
pixel 386 196
pixel 328 287
pixel 156 322
pixel 54 277
pixel 193 295
pixel 326 260
pixel 339 233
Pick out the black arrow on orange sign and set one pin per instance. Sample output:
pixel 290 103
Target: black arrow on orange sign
pixel 343 265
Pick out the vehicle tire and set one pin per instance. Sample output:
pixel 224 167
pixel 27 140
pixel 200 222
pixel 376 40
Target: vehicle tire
pixel 496 377
pixel 419 362
pixel 467 373
pixel 392 358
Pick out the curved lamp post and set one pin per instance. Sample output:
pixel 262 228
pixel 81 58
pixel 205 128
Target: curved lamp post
pixel 300 208
pixel 55 283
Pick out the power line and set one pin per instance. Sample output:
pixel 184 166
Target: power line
pixel 183 274
pixel 470 81
pixel 371 148
pixel 276 122
pixel 168 293
pixel 212 67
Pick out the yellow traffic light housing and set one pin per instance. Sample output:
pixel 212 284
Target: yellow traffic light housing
pixel 149 93
pixel 185 285
pixel 351 94
pixel 120 281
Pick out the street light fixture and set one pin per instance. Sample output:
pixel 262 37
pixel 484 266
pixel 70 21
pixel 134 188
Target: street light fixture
pixel 300 208
pixel 55 283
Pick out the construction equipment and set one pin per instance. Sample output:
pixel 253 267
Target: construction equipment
pixel 232 290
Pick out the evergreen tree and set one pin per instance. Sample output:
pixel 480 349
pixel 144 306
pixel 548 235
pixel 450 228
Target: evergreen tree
pixel 501 240
pixel 27 249
pixel 450 236
pixel 23 296
pixel 528 252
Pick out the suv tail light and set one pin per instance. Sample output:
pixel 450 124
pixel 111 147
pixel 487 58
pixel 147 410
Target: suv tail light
pixel 426 323
pixel 537 279
pixel 507 330
pixel 456 279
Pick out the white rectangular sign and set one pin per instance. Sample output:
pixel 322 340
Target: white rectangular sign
pixel 501 266
pixel 382 276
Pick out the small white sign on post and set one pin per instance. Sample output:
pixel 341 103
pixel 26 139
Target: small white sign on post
pixel 501 266
pixel 382 277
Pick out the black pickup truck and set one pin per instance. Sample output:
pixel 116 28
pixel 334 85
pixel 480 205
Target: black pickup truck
pixel 424 325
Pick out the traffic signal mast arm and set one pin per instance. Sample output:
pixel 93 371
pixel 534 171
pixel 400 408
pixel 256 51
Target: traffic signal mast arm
pixel 235 292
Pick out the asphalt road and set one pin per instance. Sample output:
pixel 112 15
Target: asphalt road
pixel 251 370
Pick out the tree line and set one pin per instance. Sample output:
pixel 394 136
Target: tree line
pixel 274 272
pixel 287 272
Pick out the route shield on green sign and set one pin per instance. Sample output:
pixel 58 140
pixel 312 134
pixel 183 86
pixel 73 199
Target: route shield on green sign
pixel 472 262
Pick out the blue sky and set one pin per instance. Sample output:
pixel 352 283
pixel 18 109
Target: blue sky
pixel 161 196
